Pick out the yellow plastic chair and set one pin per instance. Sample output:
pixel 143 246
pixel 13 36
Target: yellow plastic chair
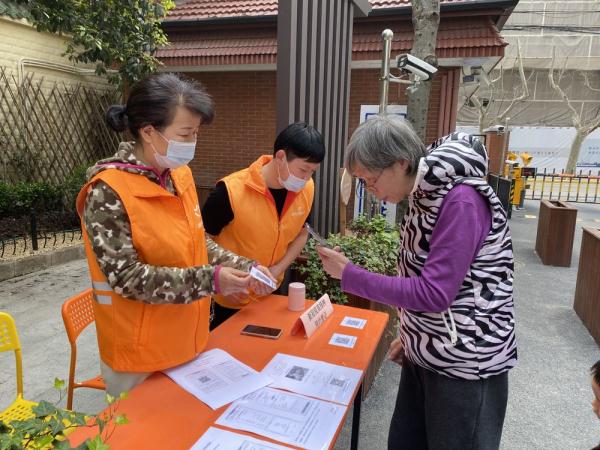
pixel 20 409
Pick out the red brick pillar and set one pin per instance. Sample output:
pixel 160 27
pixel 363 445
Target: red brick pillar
pixel 496 143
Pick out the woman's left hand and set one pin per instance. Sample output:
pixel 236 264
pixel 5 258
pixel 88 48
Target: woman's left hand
pixel 334 261
pixel 260 288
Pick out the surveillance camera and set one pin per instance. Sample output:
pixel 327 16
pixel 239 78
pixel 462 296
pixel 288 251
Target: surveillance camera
pixel 496 128
pixel 416 66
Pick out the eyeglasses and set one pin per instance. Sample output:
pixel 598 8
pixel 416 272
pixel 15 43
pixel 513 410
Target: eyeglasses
pixel 368 183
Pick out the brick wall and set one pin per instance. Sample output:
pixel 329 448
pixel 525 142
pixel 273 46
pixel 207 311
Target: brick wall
pixel 244 126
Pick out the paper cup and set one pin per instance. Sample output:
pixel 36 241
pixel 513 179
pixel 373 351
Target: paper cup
pixel 296 296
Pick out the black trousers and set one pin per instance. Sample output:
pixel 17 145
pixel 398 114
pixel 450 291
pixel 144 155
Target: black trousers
pixel 434 412
pixel 220 314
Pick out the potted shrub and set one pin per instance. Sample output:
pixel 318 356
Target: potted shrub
pixel 371 244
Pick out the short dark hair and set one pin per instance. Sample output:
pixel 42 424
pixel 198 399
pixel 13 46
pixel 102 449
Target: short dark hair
pixel 595 371
pixel 300 140
pixel 153 100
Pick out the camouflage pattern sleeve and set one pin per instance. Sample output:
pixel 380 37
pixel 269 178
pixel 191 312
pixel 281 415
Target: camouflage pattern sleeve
pixel 219 255
pixel 109 231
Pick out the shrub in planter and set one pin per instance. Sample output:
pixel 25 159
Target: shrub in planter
pixel 19 198
pixel 372 245
pixel 72 185
pixel 53 205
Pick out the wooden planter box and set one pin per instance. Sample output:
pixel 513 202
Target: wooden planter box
pixel 555 233
pixel 587 291
pixel 390 333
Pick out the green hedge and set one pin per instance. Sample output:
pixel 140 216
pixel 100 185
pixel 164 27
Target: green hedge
pixel 19 198
pixel 373 246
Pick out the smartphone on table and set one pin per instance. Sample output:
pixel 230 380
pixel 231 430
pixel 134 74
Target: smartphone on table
pixel 260 331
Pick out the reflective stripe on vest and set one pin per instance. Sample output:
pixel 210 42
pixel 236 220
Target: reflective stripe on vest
pixel 102 298
pixel 101 286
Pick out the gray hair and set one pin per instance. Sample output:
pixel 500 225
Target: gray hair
pixel 382 141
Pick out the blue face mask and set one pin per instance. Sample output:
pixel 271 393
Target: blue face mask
pixel 178 153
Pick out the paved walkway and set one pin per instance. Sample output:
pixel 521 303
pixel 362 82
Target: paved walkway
pixel 549 403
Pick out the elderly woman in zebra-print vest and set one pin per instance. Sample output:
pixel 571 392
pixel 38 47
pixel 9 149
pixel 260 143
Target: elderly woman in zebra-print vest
pixel 454 285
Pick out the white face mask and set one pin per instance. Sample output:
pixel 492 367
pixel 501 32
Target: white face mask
pixel 292 183
pixel 178 153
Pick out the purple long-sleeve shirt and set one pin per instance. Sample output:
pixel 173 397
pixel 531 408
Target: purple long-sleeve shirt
pixel 463 223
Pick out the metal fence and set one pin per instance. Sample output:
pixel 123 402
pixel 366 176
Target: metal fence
pixel 18 246
pixel 27 231
pixel 579 188
pixel 48 130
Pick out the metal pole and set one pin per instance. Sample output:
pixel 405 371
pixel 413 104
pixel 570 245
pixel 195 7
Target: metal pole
pixel 33 223
pixel 387 36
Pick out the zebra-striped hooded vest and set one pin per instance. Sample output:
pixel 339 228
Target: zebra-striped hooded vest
pixel 474 338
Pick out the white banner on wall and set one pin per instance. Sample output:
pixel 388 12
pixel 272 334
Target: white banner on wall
pixel 550 147
pixel 388 210
pixel 368 111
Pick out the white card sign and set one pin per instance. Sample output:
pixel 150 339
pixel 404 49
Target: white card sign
pixel 314 317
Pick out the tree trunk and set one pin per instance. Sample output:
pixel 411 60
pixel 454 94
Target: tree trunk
pixel 575 148
pixel 425 19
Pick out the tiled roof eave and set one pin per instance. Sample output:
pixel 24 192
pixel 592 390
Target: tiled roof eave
pixel 211 10
pixel 456 38
pixel 253 59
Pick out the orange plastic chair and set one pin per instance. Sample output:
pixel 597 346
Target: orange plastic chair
pixel 19 409
pixel 77 314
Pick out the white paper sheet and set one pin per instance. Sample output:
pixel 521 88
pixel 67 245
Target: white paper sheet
pixel 290 418
pixel 217 378
pixel 353 322
pixel 343 340
pixel 311 377
pixel 217 439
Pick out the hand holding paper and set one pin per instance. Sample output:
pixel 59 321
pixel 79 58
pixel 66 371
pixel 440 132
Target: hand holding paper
pixel 261 281
pixel 233 282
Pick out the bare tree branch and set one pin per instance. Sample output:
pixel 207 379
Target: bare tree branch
pixel 582 127
pixel 574 114
pixel 496 93
pixel 499 77
pixel 595 124
pixel 525 94
pixel 586 82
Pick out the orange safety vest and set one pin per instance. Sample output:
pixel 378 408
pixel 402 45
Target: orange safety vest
pixel 256 231
pixel 167 231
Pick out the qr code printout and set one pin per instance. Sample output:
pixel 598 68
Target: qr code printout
pixel 343 340
pixel 354 322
